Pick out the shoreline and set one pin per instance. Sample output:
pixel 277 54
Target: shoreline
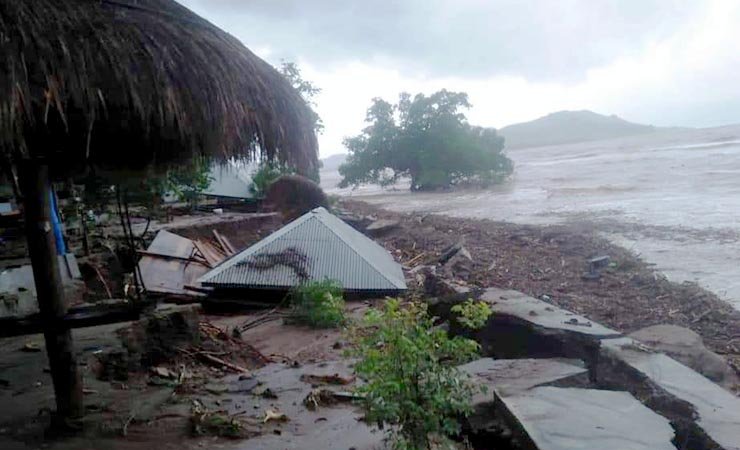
pixel 548 262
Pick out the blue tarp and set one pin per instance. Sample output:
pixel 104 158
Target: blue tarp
pixel 56 226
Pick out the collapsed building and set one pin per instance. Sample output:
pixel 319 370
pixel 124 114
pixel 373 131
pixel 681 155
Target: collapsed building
pixel 314 247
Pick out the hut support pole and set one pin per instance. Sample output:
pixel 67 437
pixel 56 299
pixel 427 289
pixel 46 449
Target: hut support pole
pixel 34 181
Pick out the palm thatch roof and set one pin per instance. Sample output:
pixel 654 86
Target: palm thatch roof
pixel 135 83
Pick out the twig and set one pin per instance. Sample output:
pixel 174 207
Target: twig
pixel 258 321
pixel 102 280
pixel 221 363
pixel 124 429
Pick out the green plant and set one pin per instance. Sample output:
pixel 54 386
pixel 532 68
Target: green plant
pixel 412 383
pixel 318 304
pixel 265 175
pixel 472 315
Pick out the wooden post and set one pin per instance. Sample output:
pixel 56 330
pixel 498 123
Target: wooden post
pixel 35 187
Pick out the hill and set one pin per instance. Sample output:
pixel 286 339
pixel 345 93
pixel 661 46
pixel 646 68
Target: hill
pixel 333 162
pixel 565 127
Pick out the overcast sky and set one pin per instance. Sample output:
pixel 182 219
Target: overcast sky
pixel 661 62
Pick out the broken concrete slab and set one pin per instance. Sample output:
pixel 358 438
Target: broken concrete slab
pixel 381 227
pixel 542 314
pixel 687 347
pixel 595 419
pixel 717 411
pixel 513 376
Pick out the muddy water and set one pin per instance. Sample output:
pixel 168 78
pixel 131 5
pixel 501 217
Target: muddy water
pixel 673 197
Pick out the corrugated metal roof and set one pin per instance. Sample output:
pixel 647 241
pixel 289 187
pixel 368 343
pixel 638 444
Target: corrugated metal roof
pixel 332 249
pixel 228 181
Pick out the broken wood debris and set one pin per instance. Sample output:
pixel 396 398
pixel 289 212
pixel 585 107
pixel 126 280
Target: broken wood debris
pixel 220 363
pixel 172 263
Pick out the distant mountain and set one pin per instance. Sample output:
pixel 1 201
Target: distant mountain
pixel 565 127
pixel 333 162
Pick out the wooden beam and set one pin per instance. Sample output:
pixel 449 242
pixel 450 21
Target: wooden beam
pixel 91 317
pixel 35 188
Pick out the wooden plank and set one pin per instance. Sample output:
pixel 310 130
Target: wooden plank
pixel 196 259
pixel 72 267
pixel 224 243
pixel 228 244
pixel 209 252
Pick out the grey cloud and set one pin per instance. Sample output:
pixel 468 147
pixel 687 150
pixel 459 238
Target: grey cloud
pixel 540 40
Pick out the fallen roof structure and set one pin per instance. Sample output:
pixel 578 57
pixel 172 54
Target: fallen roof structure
pixel 172 263
pixel 316 246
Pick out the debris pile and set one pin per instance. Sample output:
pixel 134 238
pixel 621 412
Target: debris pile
pixel 177 345
pixel 549 263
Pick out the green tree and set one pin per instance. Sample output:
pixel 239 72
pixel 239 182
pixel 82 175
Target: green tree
pixel 427 139
pixel 187 182
pixel 307 89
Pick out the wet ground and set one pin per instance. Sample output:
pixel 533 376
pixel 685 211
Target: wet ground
pixel 672 197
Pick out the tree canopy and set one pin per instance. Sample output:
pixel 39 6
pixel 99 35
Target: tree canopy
pixel 307 89
pixel 427 139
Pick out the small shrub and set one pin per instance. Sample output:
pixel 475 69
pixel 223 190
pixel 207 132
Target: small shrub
pixel 472 315
pixel 318 304
pixel 412 383
pixel 265 175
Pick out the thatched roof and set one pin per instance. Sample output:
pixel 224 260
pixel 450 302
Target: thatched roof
pixel 128 83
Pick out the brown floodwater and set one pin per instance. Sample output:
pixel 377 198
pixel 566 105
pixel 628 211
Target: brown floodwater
pixel 673 197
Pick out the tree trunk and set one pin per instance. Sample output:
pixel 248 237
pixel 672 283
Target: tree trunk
pixel 34 180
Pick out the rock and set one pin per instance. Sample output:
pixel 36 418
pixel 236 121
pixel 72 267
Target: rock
pixel 359 223
pixel 453 250
pixel 457 261
pixel 382 227
pixel 438 286
pixel 687 347
pixel 113 365
pixel 163 372
pixel 598 262
pixel 294 195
